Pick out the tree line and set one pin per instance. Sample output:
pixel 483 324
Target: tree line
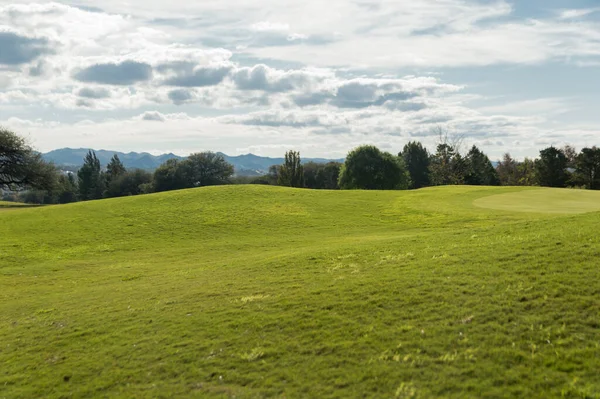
pixel 25 176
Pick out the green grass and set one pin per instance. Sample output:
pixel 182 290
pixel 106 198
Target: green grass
pixel 6 204
pixel 547 200
pixel 254 292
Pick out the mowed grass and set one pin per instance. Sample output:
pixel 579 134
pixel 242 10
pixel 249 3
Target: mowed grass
pixel 6 204
pixel 254 292
pixel 544 200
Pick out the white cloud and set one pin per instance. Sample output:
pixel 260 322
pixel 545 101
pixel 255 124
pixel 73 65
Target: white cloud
pixel 576 13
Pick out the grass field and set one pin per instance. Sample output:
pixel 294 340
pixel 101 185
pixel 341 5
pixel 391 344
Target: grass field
pixel 5 204
pixel 254 292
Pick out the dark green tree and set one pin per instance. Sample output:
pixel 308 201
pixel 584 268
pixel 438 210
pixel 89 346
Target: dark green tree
pixel 206 169
pixel 311 170
pixel 587 168
pixel 21 167
pixel 322 175
pixel 291 173
pixel 67 189
pixel 114 169
pixel 551 168
pixel 90 179
pixel 480 171
pixel 169 176
pixel 417 159
pixel 133 182
pixel 368 168
pixel 328 176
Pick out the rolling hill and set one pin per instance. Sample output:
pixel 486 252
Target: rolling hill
pixel 254 291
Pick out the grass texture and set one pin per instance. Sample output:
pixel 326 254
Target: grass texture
pixel 266 292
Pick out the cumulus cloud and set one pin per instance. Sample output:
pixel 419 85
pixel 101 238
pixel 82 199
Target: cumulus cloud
pixel 38 69
pixel 16 49
pixel 153 116
pixel 94 93
pixel 123 73
pixel 262 77
pixel 199 76
pixel 181 96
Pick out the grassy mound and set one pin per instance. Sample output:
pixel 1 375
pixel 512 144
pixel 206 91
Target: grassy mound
pixel 546 200
pixel 273 292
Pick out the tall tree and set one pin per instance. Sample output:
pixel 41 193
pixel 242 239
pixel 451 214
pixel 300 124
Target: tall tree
pixel 291 173
pixel 571 155
pixel 368 168
pixel 514 173
pixel 526 173
pixel 67 191
pixel 91 181
pixel 480 171
pixel 551 168
pixel 587 167
pixel 507 171
pixel 114 169
pixel 447 166
pixel 417 160
pixel 206 169
pixel 21 167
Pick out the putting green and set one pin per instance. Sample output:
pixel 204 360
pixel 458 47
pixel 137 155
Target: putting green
pixel 544 200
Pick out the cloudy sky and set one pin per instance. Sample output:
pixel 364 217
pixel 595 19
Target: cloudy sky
pixel 264 76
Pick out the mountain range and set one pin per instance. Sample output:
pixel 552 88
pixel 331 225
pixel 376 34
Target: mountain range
pixel 245 165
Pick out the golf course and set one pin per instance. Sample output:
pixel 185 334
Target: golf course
pixel 272 292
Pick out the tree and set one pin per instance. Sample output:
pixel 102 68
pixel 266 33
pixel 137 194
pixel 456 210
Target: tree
pixel 67 189
pixel 291 173
pixel 571 155
pixel 206 169
pixel 551 168
pixel 91 181
pixel 114 169
pixel 311 169
pixel 587 167
pixel 480 171
pixel 169 176
pixel 447 166
pixel 322 175
pixel 507 171
pixel 368 168
pixel 21 167
pixel 328 176
pixel 513 173
pixel 526 173
pixel 417 160
pixel 132 182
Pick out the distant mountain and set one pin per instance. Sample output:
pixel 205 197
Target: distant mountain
pixel 73 158
pixel 254 165
pixel 245 165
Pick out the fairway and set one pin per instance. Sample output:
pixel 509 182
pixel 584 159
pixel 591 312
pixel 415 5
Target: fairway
pixel 270 292
pixel 544 200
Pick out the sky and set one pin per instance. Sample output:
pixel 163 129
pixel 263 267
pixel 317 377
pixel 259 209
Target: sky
pixel 320 77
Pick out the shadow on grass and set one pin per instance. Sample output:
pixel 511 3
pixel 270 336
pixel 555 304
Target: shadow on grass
pixel 20 206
